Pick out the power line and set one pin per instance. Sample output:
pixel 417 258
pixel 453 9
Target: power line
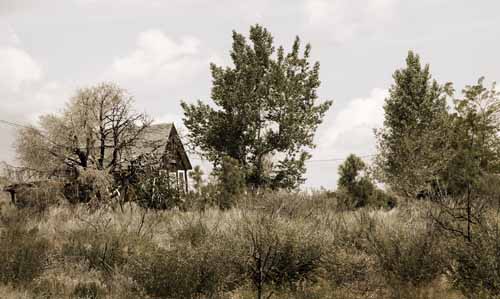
pixel 201 159
pixel 309 161
pixel 36 131
pixel 13 124
pixel 339 159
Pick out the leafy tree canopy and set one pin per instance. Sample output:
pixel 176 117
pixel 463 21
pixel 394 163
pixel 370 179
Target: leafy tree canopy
pixel 411 145
pixel 474 137
pixel 96 128
pixel 356 184
pixel 265 109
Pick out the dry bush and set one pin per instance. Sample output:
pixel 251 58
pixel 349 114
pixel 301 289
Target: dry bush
pixel 23 252
pixel 185 271
pixel 91 290
pixel 4 196
pixel 475 264
pixel 290 205
pixel 39 196
pixel 91 186
pixel 71 279
pixel 301 244
pixel 8 292
pixel 194 232
pixel 348 269
pixel 102 251
pixel 275 252
pixel 409 253
pixel 66 279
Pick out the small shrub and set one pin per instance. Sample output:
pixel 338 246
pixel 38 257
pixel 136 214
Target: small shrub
pixel 205 197
pixel 408 257
pixel 90 290
pixel 8 292
pixel 48 287
pixel 183 272
pixel 193 232
pixel 121 286
pixel 273 252
pixel 381 199
pixel 475 267
pixel 155 189
pixel 38 196
pixel 72 279
pixel 23 254
pixel 351 269
pixel 100 250
pixel 90 185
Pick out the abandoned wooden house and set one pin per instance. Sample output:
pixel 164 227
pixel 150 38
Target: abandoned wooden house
pixel 164 140
pixel 159 139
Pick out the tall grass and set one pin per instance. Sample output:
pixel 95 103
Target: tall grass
pixel 277 245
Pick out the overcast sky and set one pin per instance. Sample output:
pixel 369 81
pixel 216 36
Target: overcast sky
pixel 160 51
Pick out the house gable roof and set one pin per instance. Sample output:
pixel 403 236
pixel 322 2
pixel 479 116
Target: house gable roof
pixel 156 138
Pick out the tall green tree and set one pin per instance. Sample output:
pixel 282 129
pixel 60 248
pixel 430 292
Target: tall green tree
pixel 475 137
pixel 411 149
pixel 265 108
pixel 471 176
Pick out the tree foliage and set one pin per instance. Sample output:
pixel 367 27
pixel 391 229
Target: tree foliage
pixel 353 182
pixel 265 106
pixel 411 145
pixel 230 182
pixel 95 130
pixel 197 178
pixel 475 138
pixel 471 175
pixel 356 188
pixel 86 144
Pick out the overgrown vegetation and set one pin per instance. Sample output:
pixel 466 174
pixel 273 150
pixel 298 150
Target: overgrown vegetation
pixel 107 224
pixel 276 245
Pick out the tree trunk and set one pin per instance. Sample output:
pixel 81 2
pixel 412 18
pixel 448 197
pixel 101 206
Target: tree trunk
pixel 259 291
pixel 469 214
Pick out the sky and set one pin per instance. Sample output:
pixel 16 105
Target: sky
pixel 160 52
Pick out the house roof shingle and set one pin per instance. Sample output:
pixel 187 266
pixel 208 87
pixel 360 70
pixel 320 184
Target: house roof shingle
pixel 155 139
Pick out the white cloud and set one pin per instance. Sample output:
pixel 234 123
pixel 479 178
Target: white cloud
pixel 347 131
pixel 160 57
pixel 7 35
pixel 351 130
pixel 119 2
pixel 17 68
pixel 341 20
pixel 25 93
pixel 49 97
pixel 12 6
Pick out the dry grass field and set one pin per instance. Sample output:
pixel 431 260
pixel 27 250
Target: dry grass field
pixel 281 245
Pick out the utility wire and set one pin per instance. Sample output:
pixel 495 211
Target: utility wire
pixel 339 159
pixel 17 125
pixel 13 124
pixel 309 161
pixel 201 159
